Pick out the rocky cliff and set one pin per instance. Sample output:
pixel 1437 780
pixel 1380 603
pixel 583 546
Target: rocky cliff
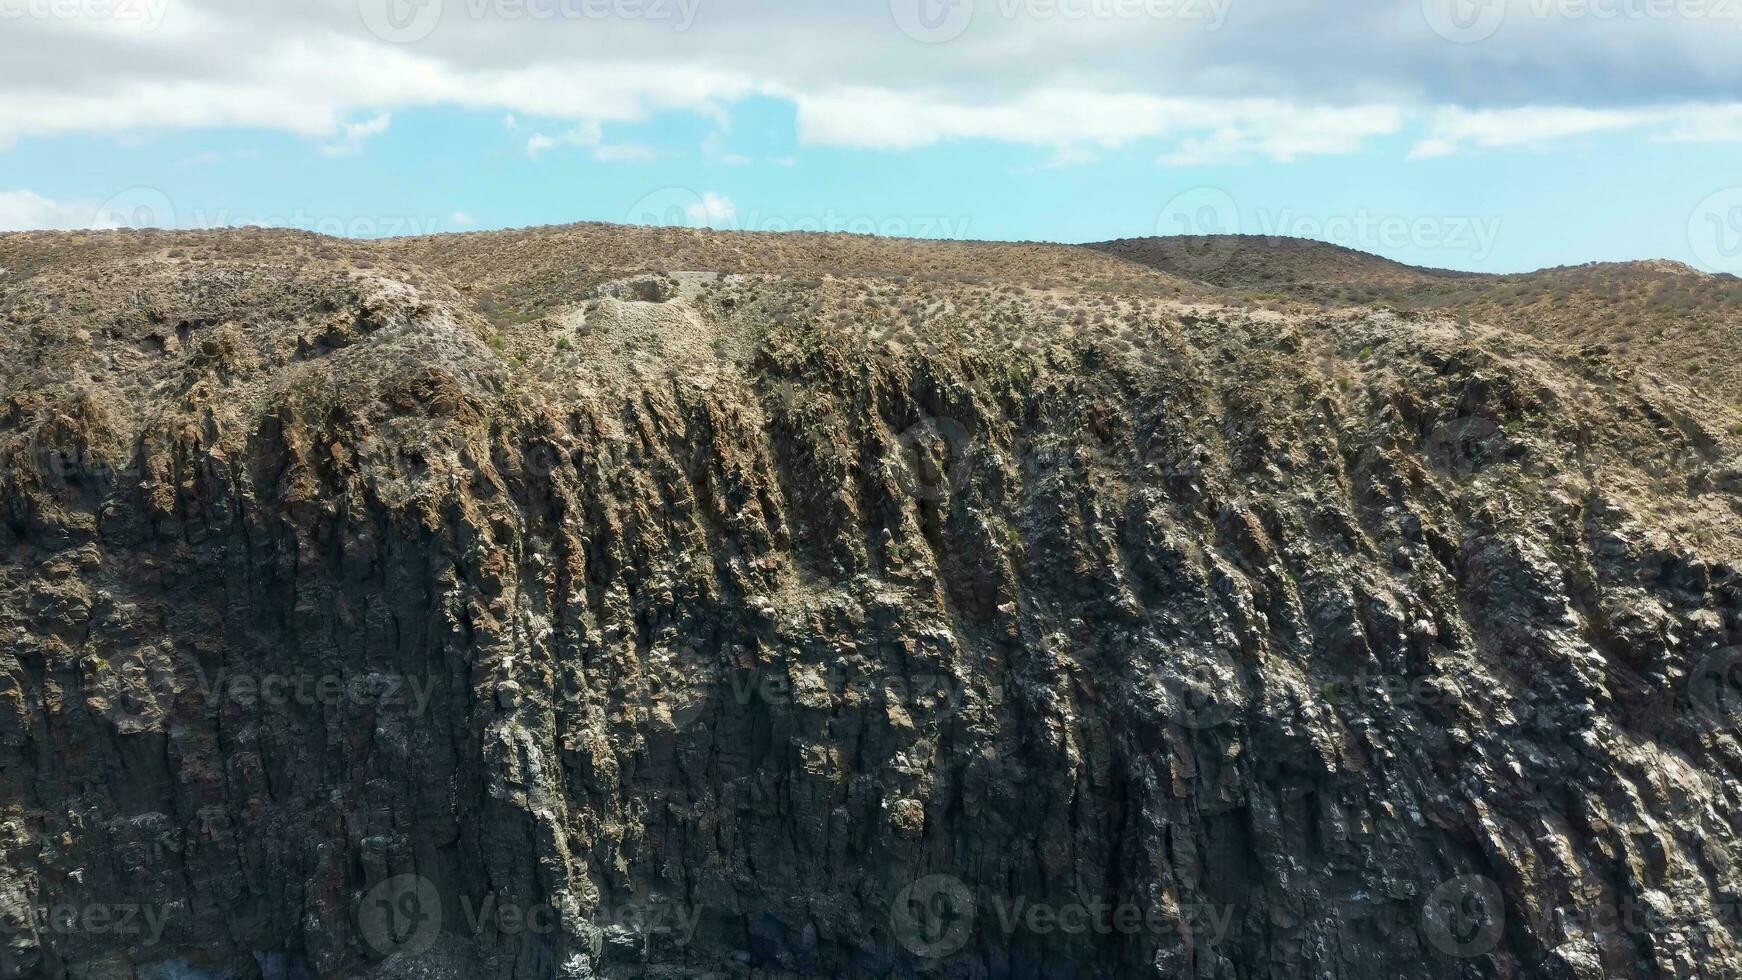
pixel 360 617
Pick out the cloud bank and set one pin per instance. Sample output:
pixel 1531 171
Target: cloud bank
pixel 1209 80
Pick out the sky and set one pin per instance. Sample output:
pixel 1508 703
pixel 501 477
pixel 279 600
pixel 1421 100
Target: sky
pixel 1492 135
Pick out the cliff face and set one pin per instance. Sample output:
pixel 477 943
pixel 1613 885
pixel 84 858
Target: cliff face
pixel 751 626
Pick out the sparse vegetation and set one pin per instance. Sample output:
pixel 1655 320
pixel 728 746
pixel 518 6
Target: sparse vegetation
pixel 1666 316
pixel 1033 468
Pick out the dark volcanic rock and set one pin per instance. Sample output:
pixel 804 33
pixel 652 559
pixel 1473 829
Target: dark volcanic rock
pixel 771 631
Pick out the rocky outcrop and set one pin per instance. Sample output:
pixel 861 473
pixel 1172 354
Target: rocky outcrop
pixel 760 629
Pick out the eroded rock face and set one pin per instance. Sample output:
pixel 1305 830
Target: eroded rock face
pixel 342 638
pixel 639 289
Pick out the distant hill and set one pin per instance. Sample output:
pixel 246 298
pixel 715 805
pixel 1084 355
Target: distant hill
pixel 1659 315
pixel 1264 261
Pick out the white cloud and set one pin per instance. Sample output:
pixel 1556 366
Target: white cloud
pixel 25 210
pixel 1070 155
pixel 1432 147
pixel 712 209
pixel 462 220
pixel 354 134
pixel 1703 124
pixel 591 134
pixel 625 153
pixel 1453 130
pixel 307 81
pixel 1281 80
pixel 1529 126
pixel 1206 130
pixel 1285 132
pixel 586 134
pixel 714 150
pixel 212 158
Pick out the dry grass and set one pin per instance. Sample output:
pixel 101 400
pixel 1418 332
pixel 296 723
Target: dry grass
pixel 1659 316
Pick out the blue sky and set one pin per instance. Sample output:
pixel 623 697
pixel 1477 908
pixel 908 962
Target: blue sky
pixel 1472 134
